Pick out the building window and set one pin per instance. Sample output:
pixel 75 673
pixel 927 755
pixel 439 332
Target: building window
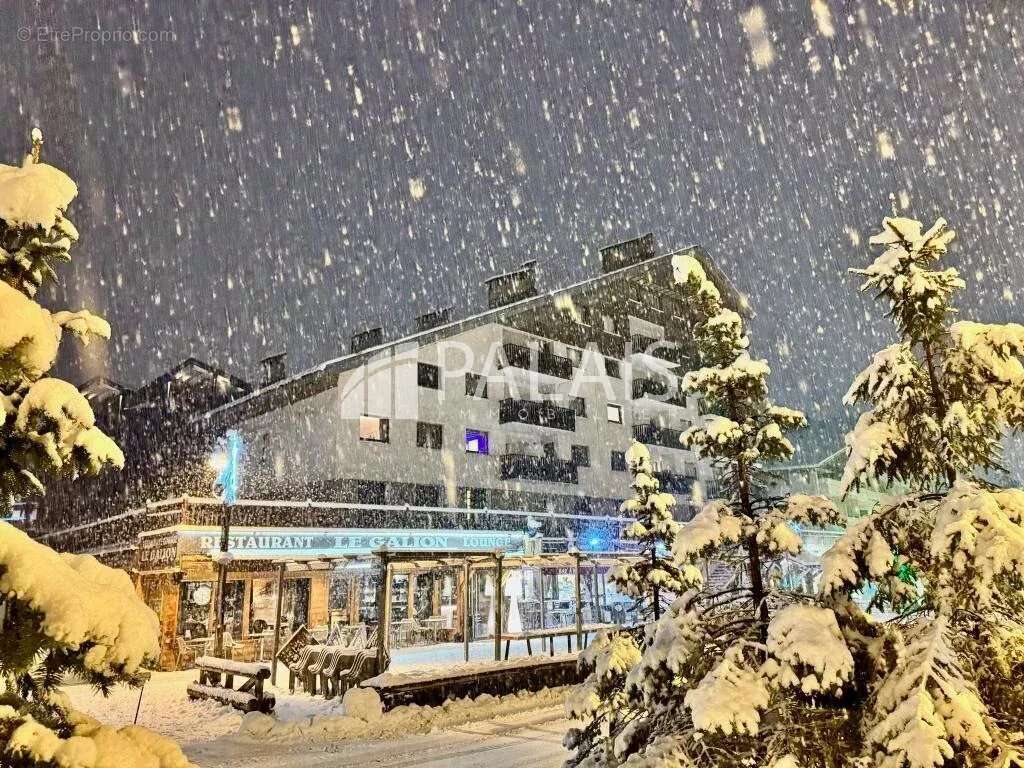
pixel 581 455
pixel 579 405
pixel 614 413
pixel 476 442
pixel 611 368
pixel 428 376
pixel 619 461
pixel 374 429
pixel 428 435
pixel 476 386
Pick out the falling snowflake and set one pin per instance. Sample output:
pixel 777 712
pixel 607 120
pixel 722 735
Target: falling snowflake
pixel 754 26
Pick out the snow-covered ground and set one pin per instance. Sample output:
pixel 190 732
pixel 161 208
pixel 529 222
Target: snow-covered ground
pixel 525 740
pixel 520 731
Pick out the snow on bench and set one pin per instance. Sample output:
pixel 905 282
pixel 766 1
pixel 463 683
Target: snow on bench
pixel 432 687
pixel 243 700
pixel 231 667
pixel 451 671
pixel 217 676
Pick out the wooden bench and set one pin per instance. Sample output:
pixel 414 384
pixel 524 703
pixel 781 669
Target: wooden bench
pixel 216 681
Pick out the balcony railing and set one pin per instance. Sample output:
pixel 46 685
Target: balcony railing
pixel 668 351
pixel 518 466
pixel 657 389
pixel 518 356
pixel 673 482
pixel 541 414
pixel 650 434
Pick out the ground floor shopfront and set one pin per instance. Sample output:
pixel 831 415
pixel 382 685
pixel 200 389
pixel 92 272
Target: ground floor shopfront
pixel 330 578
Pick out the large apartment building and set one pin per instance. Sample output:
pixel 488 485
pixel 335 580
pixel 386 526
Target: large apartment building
pixel 470 434
pixel 529 405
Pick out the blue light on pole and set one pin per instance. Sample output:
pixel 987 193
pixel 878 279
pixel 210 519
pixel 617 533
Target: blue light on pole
pixel 596 538
pixel 227 480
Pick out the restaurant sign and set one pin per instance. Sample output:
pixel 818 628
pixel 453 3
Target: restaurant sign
pixel 266 543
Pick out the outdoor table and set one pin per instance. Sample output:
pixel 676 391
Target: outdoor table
pixel 551 634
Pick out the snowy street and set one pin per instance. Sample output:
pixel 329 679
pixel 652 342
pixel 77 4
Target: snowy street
pixel 525 732
pixel 527 740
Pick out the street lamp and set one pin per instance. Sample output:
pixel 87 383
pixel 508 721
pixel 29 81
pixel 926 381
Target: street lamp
pixel 227 461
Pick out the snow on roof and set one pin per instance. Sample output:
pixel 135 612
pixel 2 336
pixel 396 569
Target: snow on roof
pixel 352 359
pixel 34 193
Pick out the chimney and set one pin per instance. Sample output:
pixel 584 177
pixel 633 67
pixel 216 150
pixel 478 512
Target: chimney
pixel 433 319
pixel 274 368
pixel 512 286
pixel 366 339
pixel 628 252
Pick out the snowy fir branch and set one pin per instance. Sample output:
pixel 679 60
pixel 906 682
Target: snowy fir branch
pixel 927 675
pixel 60 613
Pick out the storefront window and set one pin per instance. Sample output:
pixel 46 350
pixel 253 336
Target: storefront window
pixel 294 605
pixel 368 598
pixel 423 597
pixel 195 609
pixel 400 597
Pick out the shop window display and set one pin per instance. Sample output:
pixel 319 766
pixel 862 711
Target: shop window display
pixel 263 608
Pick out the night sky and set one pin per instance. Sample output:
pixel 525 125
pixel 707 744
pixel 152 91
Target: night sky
pixel 268 177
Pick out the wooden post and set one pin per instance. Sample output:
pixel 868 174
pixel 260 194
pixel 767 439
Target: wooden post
pixel 222 580
pixel 579 604
pixel 497 606
pixel 383 609
pixel 596 614
pixel 277 623
pixel 467 618
pixel 543 602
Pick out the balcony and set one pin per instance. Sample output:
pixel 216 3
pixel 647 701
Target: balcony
pixel 650 434
pixel 518 466
pixel 540 414
pixel 518 356
pixel 660 349
pixel 657 389
pixel 675 483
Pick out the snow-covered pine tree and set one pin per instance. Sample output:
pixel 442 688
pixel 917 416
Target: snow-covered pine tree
pixel 944 680
pixel 725 677
pixel 655 577
pixel 59 613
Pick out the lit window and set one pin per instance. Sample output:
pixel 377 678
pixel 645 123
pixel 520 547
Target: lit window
pixel 476 442
pixel 614 413
pixel 373 429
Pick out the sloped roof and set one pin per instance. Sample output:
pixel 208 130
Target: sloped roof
pixel 322 377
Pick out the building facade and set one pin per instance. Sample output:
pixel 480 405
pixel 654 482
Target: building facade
pixel 509 425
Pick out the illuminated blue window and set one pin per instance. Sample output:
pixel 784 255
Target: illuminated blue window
pixel 476 442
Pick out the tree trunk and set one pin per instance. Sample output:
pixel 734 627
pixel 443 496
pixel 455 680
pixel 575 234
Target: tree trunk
pixel 757 591
pixel 657 593
pixel 938 400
